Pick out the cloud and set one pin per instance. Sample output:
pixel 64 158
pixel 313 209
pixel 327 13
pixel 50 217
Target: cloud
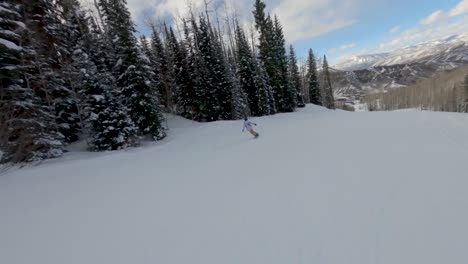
pixel 438 16
pixel 395 29
pixel 441 16
pixel 305 19
pixel 428 30
pixel 301 19
pixel 423 34
pixel 460 9
pixel 342 48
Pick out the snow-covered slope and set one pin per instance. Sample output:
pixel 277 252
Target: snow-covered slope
pixel 366 74
pixel 378 79
pixel 360 62
pixel 317 187
pixel 446 53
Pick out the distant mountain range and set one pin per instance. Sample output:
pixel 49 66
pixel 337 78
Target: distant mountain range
pixel 377 72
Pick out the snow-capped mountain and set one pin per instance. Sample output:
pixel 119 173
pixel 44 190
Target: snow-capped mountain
pixel 376 72
pixel 448 52
pixel 360 62
pixel 379 78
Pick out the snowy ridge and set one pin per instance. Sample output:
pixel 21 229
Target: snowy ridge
pixel 318 186
pixel 380 72
pixel 447 52
pixel 360 62
pixel 380 78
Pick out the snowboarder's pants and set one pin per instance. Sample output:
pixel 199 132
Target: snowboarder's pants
pixel 252 131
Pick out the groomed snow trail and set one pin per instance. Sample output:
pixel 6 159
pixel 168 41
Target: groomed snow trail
pixel 318 186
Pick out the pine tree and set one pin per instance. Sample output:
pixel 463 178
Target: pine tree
pixel 150 57
pixel 253 78
pixel 266 103
pixel 465 86
pixel 131 71
pixel 188 101
pixel 315 94
pixel 289 94
pixel 223 79
pixel 328 90
pixel 69 38
pixel 183 91
pixel 240 107
pixel 264 26
pixel 294 78
pixel 272 52
pixel 153 65
pixel 52 53
pixel 204 89
pixel 171 68
pixel 109 124
pixel 161 69
pixel 247 72
pixel 28 131
pixel 212 85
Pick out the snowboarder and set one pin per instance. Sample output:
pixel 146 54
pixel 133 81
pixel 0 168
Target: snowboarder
pixel 248 126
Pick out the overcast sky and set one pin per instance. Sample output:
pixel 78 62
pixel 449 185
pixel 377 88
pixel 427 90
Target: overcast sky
pixel 337 28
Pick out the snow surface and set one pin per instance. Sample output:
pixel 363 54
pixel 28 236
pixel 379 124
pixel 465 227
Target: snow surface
pixel 328 187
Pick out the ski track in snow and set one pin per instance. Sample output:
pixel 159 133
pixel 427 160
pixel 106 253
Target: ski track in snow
pixel 318 186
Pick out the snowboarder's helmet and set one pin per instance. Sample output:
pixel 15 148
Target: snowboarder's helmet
pixel 245 118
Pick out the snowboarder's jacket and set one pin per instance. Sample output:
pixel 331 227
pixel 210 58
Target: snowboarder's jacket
pixel 248 125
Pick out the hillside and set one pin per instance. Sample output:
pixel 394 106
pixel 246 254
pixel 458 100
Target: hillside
pixel 442 92
pixel 367 74
pixel 447 53
pixel 318 186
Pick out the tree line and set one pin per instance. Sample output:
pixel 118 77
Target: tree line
pixel 445 92
pixel 67 74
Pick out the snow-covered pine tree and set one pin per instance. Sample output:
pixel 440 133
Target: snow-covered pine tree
pixel 160 68
pixel 151 58
pixel 328 90
pixel 28 131
pixel 465 88
pixel 267 53
pixel 203 88
pixel 266 102
pixel 240 107
pixel 289 94
pixel 187 99
pixel 171 68
pixel 294 78
pixel 315 94
pixel 131 71
pixel 247 73
pixel 153 62
pixel 264 26
pixel 221 73
pixel 198 74
pixel 212 85
pixel 69 36
pixel 183 91
pixel 273 55
pixel 108 122
pixel 51 55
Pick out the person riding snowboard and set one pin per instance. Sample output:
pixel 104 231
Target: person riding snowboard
pixel 248 126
